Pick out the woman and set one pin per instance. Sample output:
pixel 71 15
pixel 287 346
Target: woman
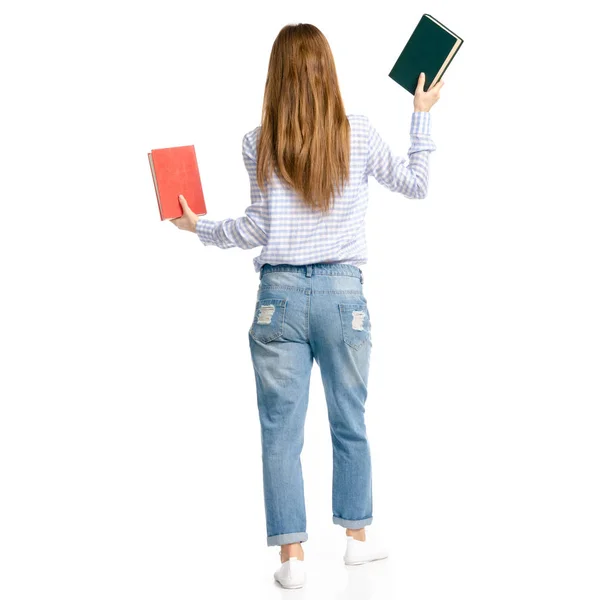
pixel 309 164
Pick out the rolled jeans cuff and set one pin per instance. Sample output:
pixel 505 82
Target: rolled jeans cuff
pixel 287 538
pixel 350 524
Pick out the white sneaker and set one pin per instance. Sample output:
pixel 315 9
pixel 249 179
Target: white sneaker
pixel 291 573
pixel 358 552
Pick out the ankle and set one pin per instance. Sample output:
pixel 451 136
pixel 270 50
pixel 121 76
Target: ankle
pixel 357 534
pixel 291 550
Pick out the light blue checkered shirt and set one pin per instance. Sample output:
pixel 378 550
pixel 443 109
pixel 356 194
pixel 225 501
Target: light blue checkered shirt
pixel 293 233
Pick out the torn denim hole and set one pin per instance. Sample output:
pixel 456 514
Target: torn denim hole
pixel 358 317
pixel 266 314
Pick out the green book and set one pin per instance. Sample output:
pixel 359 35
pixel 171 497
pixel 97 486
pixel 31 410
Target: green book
pixel 430 49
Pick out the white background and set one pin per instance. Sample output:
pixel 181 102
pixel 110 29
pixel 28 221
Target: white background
pixel 129 437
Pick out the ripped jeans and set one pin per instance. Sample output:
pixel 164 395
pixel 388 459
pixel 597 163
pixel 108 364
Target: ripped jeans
pixel 304 312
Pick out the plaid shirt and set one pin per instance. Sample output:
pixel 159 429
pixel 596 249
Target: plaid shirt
pixel 293 233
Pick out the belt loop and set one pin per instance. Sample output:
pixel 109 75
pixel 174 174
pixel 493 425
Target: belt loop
pixel 309 270
pixel 261 272
pixel 361 275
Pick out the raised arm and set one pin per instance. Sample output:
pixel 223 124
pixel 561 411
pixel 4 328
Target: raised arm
pixel 409 176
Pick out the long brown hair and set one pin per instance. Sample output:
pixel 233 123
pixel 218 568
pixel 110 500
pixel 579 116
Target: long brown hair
pixel 305 134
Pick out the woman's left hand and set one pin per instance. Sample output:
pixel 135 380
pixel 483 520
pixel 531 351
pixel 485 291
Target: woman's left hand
pixel 188 220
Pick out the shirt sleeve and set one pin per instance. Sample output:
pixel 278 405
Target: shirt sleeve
pixel 244 232
pixel 409 176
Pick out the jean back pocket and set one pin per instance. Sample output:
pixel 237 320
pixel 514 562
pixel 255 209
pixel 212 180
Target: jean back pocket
pixel 356 323
pixel 269 318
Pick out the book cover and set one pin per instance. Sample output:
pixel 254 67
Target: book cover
pixel 430 49
pixel 175 171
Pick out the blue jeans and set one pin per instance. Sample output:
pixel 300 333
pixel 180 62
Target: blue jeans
pixel 304 312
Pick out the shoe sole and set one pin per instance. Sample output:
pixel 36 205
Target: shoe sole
pixel 363 562
pixel 290 587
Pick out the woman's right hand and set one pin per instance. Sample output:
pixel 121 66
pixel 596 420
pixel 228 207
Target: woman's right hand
pixel 425 100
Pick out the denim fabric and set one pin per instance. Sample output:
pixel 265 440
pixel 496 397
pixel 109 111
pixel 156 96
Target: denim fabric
pixel 304 312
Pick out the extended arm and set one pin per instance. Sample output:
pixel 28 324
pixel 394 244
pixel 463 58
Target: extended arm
pixel 244 232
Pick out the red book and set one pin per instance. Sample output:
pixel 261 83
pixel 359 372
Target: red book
pixel 175 171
